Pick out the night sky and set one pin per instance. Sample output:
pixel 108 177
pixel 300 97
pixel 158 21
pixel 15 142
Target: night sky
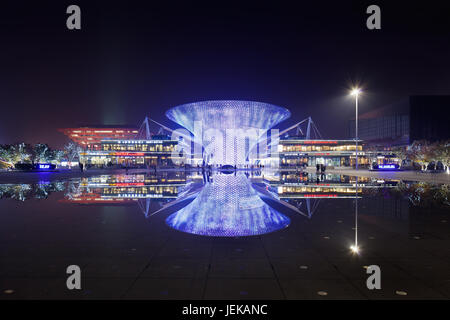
pixel 135 58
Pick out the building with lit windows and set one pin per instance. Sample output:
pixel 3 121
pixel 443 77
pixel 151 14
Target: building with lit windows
pixel 90 137
pixel 229 132
pixel 421 117
pixel 154 152
pixel 294 151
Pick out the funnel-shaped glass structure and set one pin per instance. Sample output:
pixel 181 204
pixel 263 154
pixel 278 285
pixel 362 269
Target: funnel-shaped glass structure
pixel 228 127
pixel 228 207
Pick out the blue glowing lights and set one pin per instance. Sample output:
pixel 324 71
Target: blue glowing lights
pixel 228 207
pixel 227 129
pixel 389 166
pixel 228 114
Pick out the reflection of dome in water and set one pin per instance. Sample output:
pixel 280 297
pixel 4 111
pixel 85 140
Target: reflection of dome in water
pixel 228 207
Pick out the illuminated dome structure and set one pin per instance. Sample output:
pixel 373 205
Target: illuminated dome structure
pixel 228 207
pixel 220 117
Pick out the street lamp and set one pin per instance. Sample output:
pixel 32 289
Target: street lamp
pixel 355 249
pixel 356 92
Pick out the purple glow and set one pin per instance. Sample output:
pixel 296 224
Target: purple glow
pixel 228 207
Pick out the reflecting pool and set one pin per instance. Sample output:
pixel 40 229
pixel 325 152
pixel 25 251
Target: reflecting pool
pixel 224 234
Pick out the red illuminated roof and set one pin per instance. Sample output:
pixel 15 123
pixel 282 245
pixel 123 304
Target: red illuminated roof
pixel 91 137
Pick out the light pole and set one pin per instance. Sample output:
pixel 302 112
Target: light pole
pixel 355 92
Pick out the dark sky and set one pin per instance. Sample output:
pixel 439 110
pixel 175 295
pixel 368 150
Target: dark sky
pixel 135 58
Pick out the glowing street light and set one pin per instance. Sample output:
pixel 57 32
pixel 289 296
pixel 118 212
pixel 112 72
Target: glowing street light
pixel 356 92
pixel 355 249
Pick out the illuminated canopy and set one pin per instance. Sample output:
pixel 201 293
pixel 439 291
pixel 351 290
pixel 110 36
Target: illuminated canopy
pixel 228 114
pixel 222 117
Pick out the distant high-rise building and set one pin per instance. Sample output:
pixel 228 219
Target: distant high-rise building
pixel 416 118
pixel 429 118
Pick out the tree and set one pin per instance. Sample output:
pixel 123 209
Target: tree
pixel 41 153
pixel 442 152
pixel 72 151
pixel 401 152
pixel 422 152
pixel 57 155
pixel 5 156
pixel 21 152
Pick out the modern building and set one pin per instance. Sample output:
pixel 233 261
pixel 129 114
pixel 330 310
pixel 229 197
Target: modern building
pixel 234 133
pixel 416 118
pixel 295 151
pixel 157 151
pixel 90 137
pixel 429 118
pixel 387 126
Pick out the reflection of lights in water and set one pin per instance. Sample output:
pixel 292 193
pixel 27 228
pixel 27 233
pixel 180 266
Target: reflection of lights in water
pixel 228 207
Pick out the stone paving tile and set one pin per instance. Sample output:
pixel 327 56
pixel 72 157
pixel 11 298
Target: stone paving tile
pixel 55 288
pixel 240 268
pixel 357 269
pixel 105 288
pixel 43 268
pixel 101 268
pixel 238 250
pixel 304 268
pixel 188 250
pixel 443 286
pixel 424 269
pixel 241 289
pixel 146 288
pixel 395 288
pixel 317 288
pixel 289 250
pixel 167 267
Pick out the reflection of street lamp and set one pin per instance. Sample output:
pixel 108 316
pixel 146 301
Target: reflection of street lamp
pixel 354 248
pixel 355 92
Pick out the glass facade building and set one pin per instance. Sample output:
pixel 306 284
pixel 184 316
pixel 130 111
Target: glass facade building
pixel 336 153
pixel 154 152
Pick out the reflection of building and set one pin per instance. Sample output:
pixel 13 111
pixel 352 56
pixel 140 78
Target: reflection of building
pixel 157 151
pixel 307 185
pixel 294 151
pixel 125 188
pixel 90 137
